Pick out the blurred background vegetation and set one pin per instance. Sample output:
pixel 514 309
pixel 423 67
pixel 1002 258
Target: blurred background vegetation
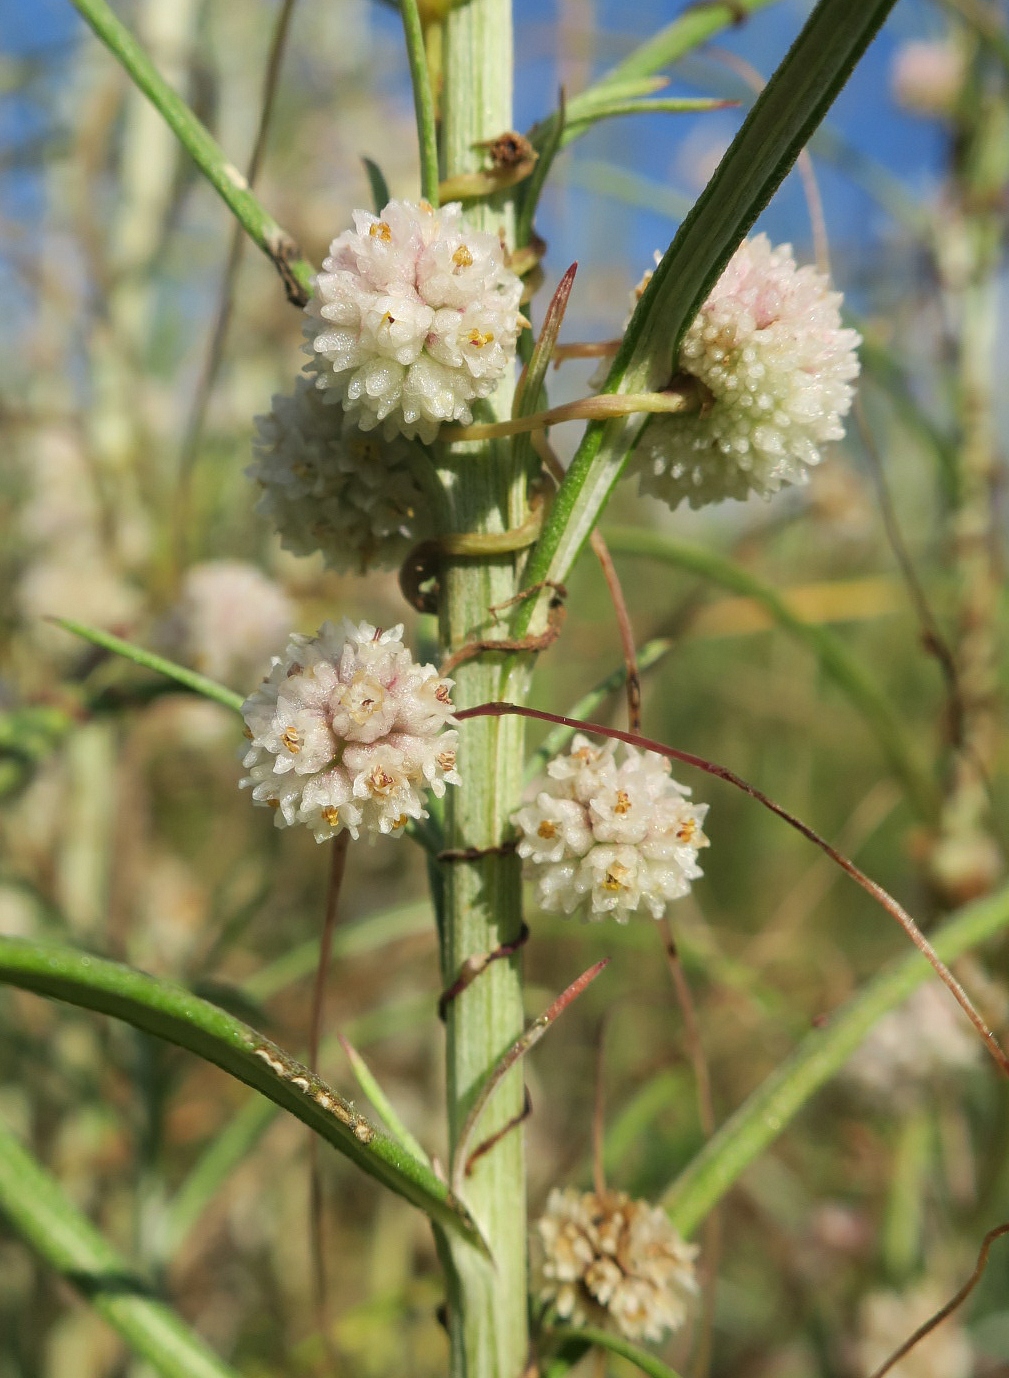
pixel 126 431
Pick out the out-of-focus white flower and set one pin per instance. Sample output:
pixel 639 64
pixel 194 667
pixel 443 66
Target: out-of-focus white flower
pixel 229 617
pixel 86 590
pixel 346 733
pixel 927 76
pixel 326 487
pixel 887 1319
pixel 611 1261
pixel 926 1038
pixel 769 346
pixel 414 316
pixel 616 836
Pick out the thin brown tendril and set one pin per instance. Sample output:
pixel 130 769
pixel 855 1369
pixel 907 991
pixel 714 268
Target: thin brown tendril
pixel 951 1305
pixel 871 887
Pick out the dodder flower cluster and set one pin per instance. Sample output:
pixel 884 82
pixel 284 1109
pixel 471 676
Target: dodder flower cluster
pixel 615 1262
pixel 618 836
pixel 414 316
pixel 769 346
pixel 346 733
pixel 335 489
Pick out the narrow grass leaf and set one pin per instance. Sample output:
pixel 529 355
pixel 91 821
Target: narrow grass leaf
pixel 173 1013
pixel 189 679
pixel 34 1203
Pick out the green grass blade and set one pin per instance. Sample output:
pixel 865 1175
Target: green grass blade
pixel 631 77
pixel 239 1137
pixel 423 100
pixel 836 661
pixel 380 196
pixel 820 1056
pixel 295 271
pixel 781 122
pixel 173 1013
pixel 381 1103
pixel 189 679
pixel 616 1344
pixel 34 1203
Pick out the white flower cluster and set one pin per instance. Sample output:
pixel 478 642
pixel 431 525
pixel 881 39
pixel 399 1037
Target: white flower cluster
pixel 912 1046
pixel 325 487
pixel 229 617
pixel 346 733
pixel 769 346
pixel 619 836
pixel 414 316
pixel 611 1261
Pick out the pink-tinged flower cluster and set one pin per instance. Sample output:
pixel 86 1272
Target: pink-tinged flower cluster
pixel 927 76
pixel 614 1262
pixel 769 347
pixel 351 495
pixel 414 317
pixel 613 837
pixel 347 733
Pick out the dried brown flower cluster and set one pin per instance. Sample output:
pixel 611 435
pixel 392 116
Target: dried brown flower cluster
pixel 614 1262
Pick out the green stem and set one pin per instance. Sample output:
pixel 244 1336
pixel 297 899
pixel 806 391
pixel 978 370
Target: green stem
pixel 820 1056
pixel 486 493
pixel 835 659
pixel 423 100
pixel 34 1203
pixel 295 271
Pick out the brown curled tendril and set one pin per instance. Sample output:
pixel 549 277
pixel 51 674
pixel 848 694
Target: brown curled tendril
pixel 516 645
pixel 475 965
pixel 506 1128
pixel 423 563
pixel 957 1300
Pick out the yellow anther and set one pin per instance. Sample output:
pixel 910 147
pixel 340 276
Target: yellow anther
pixel 446 759
pixel 547 830
pixel 291 740
pixel 685 832
pixel 616 877
pixel 623 804
pixel 331 814
pixel 381 230
pixel 462 258
pixel 479 339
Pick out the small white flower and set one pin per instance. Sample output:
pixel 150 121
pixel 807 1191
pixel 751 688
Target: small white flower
pixel 229 616
pixel 414 316
pixel 925 1039
pixel 614 1262
pixel 332 488
pixel 927 76
pixel 615 837
pixel 346 733
pixel 769 346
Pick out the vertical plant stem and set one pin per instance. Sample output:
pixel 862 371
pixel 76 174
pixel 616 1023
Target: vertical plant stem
pixel 423 100
pixel 316 1205
pixel 482 910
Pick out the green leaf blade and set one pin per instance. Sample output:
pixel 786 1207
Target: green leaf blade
pixel 781 122
pixel 35 1204
pixel 176 1015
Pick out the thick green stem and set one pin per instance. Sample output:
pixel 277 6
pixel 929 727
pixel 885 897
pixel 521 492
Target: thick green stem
pixel 482 909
